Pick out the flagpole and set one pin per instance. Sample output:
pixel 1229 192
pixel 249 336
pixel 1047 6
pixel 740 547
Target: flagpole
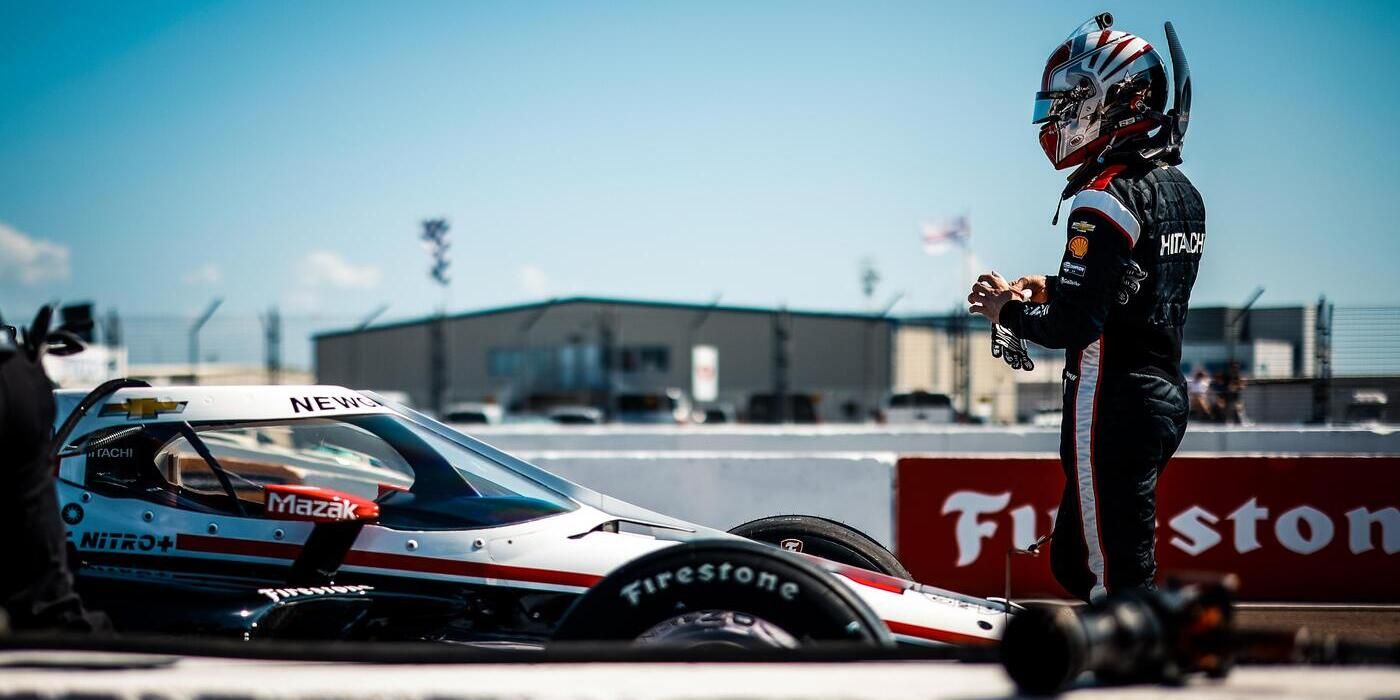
pixel 967 334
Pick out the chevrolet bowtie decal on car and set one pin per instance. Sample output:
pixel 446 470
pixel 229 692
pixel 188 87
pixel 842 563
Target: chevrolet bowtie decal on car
pixel 321 512
pixel 138 408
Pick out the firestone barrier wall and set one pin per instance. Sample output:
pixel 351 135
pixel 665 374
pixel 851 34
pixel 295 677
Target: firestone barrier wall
pixel 1292 528
pixel 1321 524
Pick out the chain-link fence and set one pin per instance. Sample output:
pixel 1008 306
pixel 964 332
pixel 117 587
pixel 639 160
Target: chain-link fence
pixel 242 339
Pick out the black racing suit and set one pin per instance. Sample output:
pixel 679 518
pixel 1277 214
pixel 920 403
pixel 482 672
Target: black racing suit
pixel 1125 401
pixel 36 588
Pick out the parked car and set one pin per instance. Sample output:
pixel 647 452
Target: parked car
pixel 669 406
pixel 919 407
pixel 797 408
pixel 715 414
pixel 473 414
pixel 576 415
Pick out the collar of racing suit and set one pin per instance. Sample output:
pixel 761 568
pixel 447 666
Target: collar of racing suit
pixel 1080 177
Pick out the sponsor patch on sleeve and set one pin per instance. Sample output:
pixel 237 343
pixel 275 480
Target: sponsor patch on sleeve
pixel 1078 246
pixel 1072 269
pixel 1082 226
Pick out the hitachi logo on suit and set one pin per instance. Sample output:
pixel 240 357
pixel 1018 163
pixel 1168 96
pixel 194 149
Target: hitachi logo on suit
pixel 1182 242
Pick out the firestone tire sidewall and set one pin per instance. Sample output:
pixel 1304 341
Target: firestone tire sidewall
pixel 825 538
pixel 744 577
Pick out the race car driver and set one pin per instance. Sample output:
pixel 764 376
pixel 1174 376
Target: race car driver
pixel 1134 240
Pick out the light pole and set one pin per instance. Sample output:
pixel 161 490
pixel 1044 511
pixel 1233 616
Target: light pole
pixel 194 338
pixel 355 343
pixel 434 237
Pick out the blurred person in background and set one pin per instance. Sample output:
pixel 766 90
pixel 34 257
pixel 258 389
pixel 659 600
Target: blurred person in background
pixel 1135 234
pixel 1202 398
pixel 1231 391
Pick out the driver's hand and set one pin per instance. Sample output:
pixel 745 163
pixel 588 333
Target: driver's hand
pixel 989 294
pixel 1033 288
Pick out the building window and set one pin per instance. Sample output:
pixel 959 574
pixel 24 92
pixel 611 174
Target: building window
pixel 501 362
pixel 636 359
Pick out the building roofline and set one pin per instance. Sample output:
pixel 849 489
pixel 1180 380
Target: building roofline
pixel 936 320
pixel 615 301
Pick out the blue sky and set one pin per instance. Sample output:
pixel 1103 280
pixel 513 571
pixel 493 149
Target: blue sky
pixel 156 154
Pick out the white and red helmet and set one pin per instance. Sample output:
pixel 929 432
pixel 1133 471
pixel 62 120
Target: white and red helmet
pixel 1101 90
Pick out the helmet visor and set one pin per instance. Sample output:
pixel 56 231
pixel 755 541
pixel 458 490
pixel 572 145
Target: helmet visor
pixel 1049 104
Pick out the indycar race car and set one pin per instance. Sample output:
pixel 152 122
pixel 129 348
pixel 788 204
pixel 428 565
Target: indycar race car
pixel 317 512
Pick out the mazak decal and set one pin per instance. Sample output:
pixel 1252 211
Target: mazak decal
pixel 139 409
pixel 315 404
pixel 707 573
pixel 297 502
pixel 124 542
pixel 291 504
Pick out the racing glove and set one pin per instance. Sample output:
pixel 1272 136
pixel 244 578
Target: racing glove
pixel 1010 348
pixel 1133 278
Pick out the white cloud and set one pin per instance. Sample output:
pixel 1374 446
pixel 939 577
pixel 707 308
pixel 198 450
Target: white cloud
pixel 30 261
pixel 534 281
pixel 324 268
pixel 206 275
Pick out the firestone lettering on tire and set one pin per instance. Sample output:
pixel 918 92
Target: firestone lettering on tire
pixel 759 580
pixel 279 594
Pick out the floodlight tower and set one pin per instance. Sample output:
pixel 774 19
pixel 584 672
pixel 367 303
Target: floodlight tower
pixel 434 237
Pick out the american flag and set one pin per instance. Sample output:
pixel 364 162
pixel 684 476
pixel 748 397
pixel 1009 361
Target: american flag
pixel 939 237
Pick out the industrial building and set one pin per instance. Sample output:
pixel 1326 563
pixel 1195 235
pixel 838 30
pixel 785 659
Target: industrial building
pixel 832 367
pixel 588 351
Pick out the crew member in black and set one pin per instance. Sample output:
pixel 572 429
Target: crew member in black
pixel 1134 239
pixel 36 589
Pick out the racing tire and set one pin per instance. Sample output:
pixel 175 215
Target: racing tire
pixel 825 538
pixel 721 575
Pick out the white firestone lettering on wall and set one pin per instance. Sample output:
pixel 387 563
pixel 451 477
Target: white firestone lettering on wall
pixel 1359 522
pixel 1196 535
pixel 970 530
pixel 1303 530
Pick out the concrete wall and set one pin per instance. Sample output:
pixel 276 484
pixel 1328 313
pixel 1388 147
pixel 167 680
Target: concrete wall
pixel 722 490
pixel 831 439
pixel 723 477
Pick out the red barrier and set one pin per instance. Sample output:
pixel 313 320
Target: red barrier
pixel 1293 528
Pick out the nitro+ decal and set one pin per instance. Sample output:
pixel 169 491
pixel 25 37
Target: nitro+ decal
pixel 124 542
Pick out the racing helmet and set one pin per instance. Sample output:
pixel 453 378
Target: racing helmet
pixel 1102 90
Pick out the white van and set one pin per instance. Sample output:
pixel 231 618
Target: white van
pixel 919 407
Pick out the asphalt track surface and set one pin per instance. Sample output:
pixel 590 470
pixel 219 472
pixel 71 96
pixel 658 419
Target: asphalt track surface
pixel 222 679
pixel 68 675
pixel 1363 623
